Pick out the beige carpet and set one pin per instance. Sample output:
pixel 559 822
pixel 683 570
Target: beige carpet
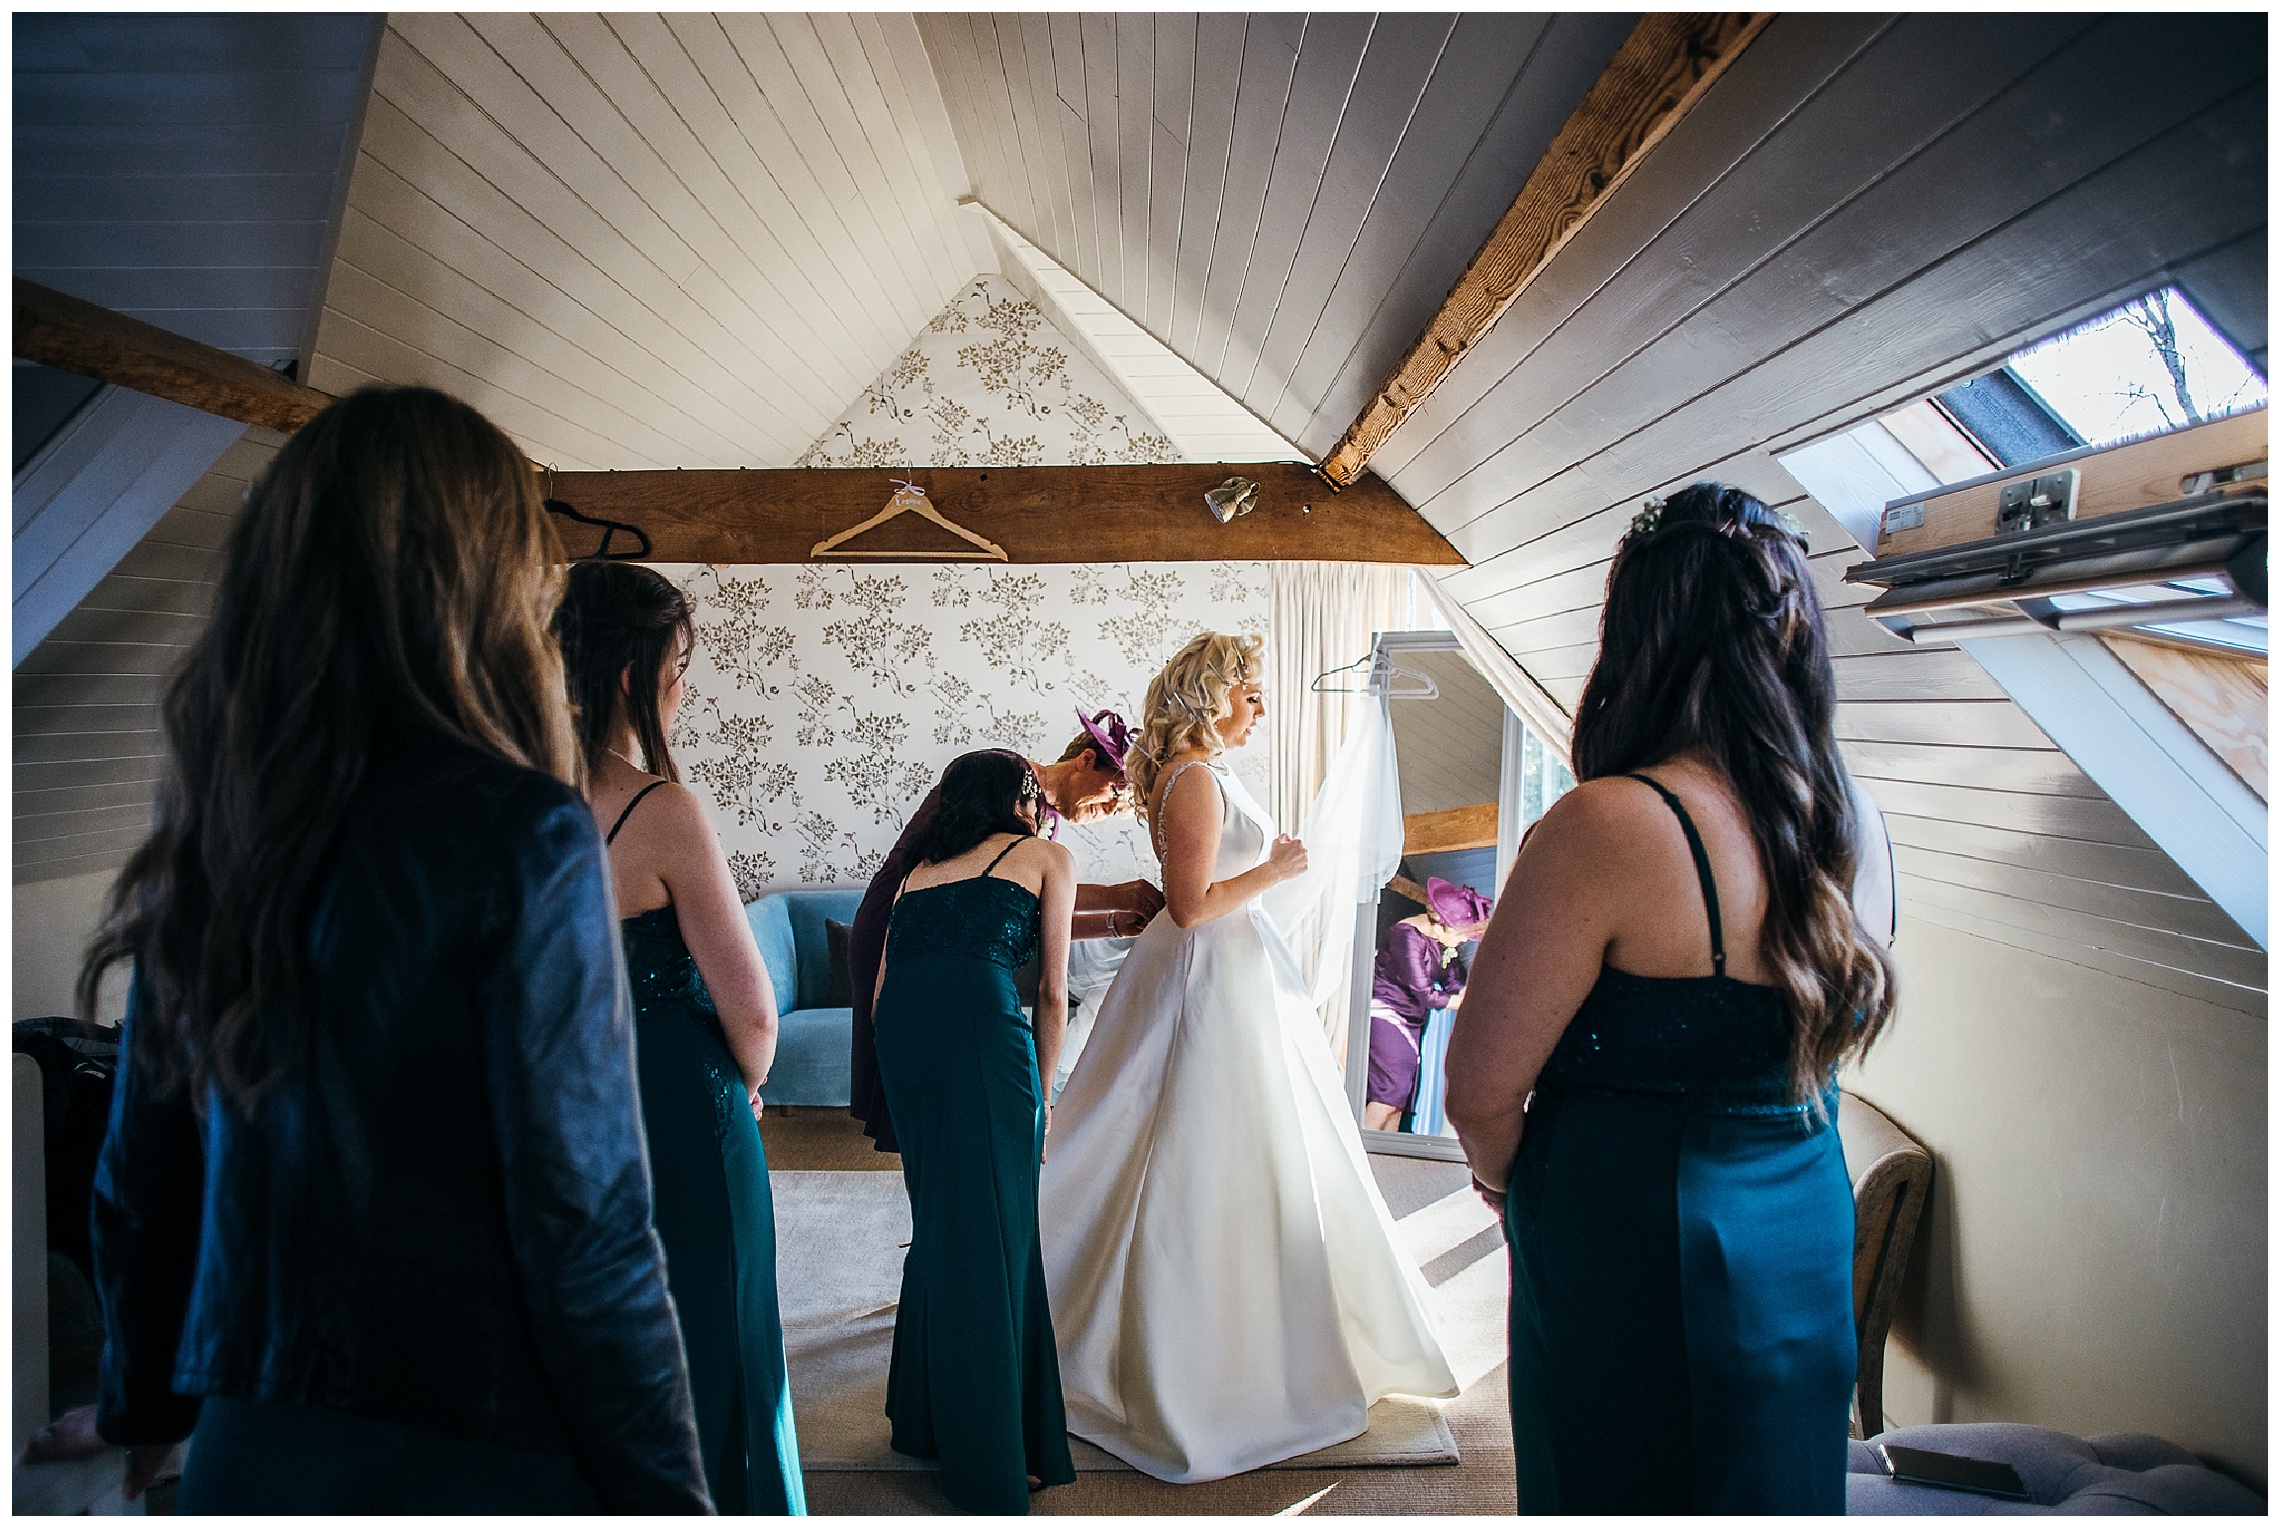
pixel 839 1267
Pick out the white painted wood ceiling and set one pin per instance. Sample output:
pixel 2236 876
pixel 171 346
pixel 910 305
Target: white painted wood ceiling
pixel 690 240
pixel 646 240
pixel 181 168
pixel 1282 198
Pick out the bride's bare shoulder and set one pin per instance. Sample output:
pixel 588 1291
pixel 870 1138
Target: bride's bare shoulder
pixel 1176 779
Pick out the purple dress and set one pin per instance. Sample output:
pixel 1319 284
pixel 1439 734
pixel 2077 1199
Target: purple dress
pixel 1413 979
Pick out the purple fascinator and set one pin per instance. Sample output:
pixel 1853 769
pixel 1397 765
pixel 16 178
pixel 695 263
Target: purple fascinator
pixel 1457 906
pixel 1108 730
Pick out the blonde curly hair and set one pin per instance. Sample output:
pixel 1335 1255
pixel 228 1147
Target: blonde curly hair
pixel 1185 703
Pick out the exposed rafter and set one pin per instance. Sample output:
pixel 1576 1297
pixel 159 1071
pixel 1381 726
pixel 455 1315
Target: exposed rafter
pixel 1663 68
pixel 62 331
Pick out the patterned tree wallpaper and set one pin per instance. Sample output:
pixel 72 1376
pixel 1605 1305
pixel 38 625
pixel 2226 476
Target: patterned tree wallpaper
pixel 823 701
pixel 991 383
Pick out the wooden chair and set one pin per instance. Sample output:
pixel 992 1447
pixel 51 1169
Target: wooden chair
pixel 1891 1176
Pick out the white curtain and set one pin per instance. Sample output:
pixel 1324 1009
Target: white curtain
pixel 1353 834
pixel 1335 773
pixel 1326 615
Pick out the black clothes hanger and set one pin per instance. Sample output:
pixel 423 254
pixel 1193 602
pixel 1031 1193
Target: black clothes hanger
pixel 609 529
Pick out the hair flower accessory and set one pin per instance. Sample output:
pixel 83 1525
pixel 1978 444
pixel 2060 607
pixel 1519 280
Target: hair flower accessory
pixel 1109 730
pixel 1649 518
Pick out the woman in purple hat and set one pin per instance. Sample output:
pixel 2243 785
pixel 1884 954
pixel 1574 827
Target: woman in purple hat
pixel 1419 970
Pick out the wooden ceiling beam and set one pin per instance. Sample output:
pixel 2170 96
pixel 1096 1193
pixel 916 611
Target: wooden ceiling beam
pixel 1107 513
pixel 55 329
pixel 1460 827
pixel 1662 69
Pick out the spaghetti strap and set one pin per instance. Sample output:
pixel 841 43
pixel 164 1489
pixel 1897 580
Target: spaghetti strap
pixel 628 812
pixel 962 880
pixel 1701 869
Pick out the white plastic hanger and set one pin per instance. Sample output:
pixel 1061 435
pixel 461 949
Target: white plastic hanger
pixel 1423 689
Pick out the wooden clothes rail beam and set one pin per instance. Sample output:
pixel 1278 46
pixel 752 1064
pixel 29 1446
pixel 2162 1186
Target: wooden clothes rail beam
pixel 1119 513
pixel 1461 827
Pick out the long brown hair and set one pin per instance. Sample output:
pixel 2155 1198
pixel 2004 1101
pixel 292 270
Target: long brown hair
pixel 392 571
pixel 618 623
pixel 1712 641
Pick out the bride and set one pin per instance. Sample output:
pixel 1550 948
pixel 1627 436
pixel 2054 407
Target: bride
pixel 1224 1283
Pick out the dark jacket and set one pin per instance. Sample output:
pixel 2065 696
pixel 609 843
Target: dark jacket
pixel 444 1217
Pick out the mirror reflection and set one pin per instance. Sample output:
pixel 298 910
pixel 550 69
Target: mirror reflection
pixel 1466 765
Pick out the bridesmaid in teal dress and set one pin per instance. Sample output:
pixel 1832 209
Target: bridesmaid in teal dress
pixel 1643 1073
pixel 975 1381
pixel 704 1029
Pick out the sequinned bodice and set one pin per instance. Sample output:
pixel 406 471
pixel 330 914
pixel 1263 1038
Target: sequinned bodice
pixel 1722 1043
pixel 659 966
pixel 1718 1043
pixel 984 917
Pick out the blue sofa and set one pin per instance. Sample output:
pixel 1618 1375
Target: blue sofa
pixel 812 1040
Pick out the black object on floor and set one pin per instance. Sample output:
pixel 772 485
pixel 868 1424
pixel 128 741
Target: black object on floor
pixel 1952 1472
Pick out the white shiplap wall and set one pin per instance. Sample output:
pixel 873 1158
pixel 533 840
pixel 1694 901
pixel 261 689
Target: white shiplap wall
pixel 645 241
pixel 182 168
pixel 86 699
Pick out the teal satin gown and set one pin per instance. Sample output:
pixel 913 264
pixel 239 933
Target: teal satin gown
pixel 975 1381
pixel 717 1219
pixel 1681 1235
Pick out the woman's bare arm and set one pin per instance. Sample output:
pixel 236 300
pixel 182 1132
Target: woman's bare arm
pixel 689 859
pixel 1189 831
pixel 1542 953
pixel 1059 898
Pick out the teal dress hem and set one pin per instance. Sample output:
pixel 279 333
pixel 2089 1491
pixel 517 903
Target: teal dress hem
pixel 716 1216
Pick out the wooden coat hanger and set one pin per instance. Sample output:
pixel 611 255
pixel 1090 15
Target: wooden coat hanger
pixel 911 499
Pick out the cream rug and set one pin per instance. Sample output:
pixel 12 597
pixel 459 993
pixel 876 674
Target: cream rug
pixel 839 1255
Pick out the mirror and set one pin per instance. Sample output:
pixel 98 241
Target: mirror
pixel 1473 776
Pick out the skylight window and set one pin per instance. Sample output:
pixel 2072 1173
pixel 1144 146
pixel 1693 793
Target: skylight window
pixel 2152 364
pixel 2149 367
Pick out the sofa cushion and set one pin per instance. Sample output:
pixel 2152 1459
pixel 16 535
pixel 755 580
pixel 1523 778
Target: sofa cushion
pixel 772 930
pixel 2118 1473
pixel 807 911
pixel 811 1058
pixel 839 992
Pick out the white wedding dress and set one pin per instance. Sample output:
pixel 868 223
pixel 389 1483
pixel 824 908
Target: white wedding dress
pixel 1222 1271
